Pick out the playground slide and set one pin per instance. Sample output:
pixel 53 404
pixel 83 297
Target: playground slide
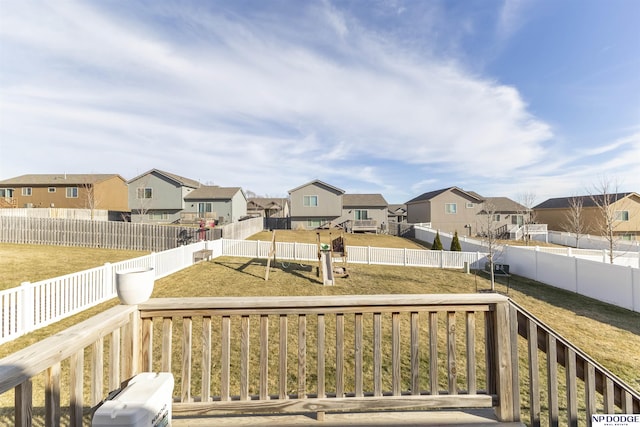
pixel 327 269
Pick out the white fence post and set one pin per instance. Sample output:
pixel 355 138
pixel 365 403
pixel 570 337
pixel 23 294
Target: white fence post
pixel 27 306
pixel 107 279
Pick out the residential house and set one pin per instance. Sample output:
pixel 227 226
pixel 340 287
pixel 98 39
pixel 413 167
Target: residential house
pixel 314 205
pixel 320 205
pixel 366 212
pixel 507 216
pixel 70 191
pixel 449 209
pixel 222 204
pixel 159 196
pixel 397 213
pixel 624 208
pixel 268 207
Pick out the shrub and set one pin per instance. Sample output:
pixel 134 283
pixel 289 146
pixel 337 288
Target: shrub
pixel 437 244
pixel 455 243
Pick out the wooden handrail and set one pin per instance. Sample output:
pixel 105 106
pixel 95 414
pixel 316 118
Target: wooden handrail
pixel 348 315
pixel 370 351
pixel 577 365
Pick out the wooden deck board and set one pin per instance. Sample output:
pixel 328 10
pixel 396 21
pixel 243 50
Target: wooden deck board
pixel 471 418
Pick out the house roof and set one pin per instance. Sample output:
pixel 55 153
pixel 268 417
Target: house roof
pixel 505 204
pixel 355 200
pixel 395 209
pixel 587 201
pixel 430 195
pixel 59 179
pixel 320 183
pixel 268 202
pixel 186 182
pixel 209 192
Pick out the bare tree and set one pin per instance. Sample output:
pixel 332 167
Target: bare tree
pixel 527 200
pixel 489 236
pixel 91 200
pixel 144 197
pixel 574 219
pixel 604 196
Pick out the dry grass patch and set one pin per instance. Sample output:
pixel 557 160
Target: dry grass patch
pixel 31 263
pixel 352 239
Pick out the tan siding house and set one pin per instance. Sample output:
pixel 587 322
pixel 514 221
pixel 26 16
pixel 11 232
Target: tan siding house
pixel 71 191
pixel 449 209
pixel 625 206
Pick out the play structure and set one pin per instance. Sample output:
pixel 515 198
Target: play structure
pixel 332 258
pixel 327 253
pixel 272 254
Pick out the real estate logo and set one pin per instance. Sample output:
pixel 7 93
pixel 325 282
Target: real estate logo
pixel 615 420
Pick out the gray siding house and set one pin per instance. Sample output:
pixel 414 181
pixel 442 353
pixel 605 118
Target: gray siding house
pixel 366 212
pixel 222 204
pixel 320 205
pixel 158 196
pixel 315 204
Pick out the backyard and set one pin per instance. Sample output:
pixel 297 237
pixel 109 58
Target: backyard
pixel 594 327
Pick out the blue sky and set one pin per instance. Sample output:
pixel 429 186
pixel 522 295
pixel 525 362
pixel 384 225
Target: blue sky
pixel 504 98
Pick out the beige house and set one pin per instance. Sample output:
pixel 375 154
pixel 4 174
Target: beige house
pixel 449 209
pixel 320 205
pixel 624 208
pixel 365 212
pixel 314 205
pixel 72 191
pixel 268 207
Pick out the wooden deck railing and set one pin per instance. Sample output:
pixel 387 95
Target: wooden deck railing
pixel 317 354
pixel 548 356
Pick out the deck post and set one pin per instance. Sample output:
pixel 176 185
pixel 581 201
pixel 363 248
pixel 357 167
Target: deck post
pixel 504 410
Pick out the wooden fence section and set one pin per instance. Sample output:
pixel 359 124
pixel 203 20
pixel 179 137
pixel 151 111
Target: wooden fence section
pixel 575 386
pixel 112 234
pixel 90 234
pixel 318 354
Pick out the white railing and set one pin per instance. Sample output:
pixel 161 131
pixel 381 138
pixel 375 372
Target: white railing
pixel 590 242
pixel 35 305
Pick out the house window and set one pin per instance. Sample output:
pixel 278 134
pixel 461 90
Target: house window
pixel 450 208
pixel 361 214
pixel 51 189
pixel 622 215
pixel 26 191
pixel 72 192
pixel 204 207
pixel 496 217
pixel 315 223
pixel 158 216
pixel 517 219
pixel 6 192
pixel 144 193
pixel 469 205
pixel 310 201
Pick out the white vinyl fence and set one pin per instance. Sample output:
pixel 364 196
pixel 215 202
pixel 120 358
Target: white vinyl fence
pixel 357 254
pixel 586 272
pixel 35 305
pixel 589 242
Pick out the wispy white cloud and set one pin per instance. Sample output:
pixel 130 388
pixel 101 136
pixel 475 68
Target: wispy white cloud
pixel 261 100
